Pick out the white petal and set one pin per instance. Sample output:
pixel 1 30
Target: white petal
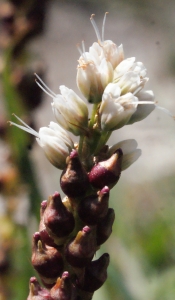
pixel 123 67
pixel 127 146
pixel 112 89
pixel 130 158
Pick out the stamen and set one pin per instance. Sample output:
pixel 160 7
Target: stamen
pixel 165 111
pixel 83 46
pixel 144 102
pixel 31 131
pixel 44 90
pixel 26 128
pixel 39 78
pixel 79 50
pixel 103 26
pixel 95 27
pixel 82 51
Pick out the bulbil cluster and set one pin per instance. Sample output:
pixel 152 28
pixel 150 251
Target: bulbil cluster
pixel 71 231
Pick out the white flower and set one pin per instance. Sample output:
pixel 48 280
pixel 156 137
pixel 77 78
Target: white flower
pixel 96 67
pixel 54 140
pixel 130 152
pixel 130 76
pixel 93 74
pixel 69 109
pixel 115 110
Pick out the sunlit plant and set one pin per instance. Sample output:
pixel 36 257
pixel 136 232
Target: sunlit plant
pixel 72 229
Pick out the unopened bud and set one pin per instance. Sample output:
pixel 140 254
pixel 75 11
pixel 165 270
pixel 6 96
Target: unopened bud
pixel 95 274
pixel 92 208
pixel 63 288
pixel 74 179
pixel 107 172
pixel 80 251
pixel 37 292
pixel 104 227
pixel 58 220
pixel 45 237
pixel 47 261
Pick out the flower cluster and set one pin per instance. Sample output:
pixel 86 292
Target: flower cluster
pixel 115 87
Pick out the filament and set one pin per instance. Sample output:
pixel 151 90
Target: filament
pixel 26 127
pixel 44 90
pixel 95 27
pixel 103 26
pixel 39 78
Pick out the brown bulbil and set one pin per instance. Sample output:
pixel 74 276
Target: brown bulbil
pixel 47 261
pixel 107 172
pixel 80 251
pixel 45 237
pixel 37 292
pixel 58 220
pixel 92 208
pixel 63 289
pixel 104 227
pixel 74 179
pixel 95 274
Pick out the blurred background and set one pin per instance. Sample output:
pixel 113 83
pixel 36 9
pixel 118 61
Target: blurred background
pixel 41 36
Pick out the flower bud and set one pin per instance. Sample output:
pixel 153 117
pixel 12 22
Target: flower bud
pixel 63 288
pixel 104 227
pixel 107 172
pixel 80 251
pixel 95 274
pixel 58 220
pixel 92 208
pixel 47 261
pixel 37 292
pixel 74 179
pixel 45 237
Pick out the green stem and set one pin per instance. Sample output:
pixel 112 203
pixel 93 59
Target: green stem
pixel 102 141
pixel 80 146
pixel 94 111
